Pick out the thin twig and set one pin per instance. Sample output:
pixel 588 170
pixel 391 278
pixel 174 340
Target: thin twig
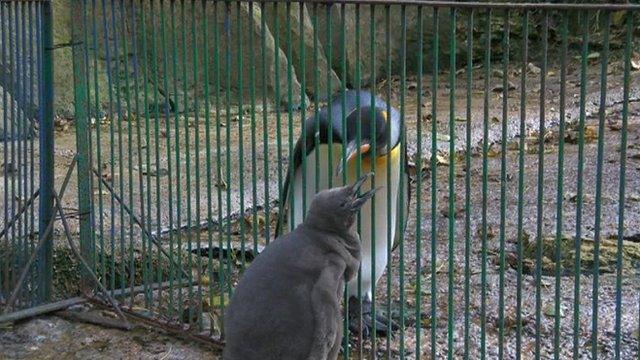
pixel 90 271
pixel 43 240
pixel 138 221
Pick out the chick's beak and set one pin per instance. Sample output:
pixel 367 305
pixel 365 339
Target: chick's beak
pixel 351 152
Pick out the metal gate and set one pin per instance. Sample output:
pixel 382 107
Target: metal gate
pixel 26 154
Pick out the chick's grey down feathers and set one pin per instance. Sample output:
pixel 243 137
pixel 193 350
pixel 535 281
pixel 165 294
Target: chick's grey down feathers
pixel 287 304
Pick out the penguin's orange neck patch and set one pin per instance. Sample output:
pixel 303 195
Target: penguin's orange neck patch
pixel 364 148
pixel 381 161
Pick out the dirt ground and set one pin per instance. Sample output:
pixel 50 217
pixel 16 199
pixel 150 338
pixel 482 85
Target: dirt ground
pixel 190 204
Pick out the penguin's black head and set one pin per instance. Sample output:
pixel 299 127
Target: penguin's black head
pixel 335 209
pixel 373 128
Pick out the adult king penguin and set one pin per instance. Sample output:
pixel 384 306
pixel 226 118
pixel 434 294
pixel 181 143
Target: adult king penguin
pixel 380 135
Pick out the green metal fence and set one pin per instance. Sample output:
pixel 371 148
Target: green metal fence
pixel 520 131
pixel 26 153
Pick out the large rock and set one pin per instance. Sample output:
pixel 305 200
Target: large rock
pixel 311 63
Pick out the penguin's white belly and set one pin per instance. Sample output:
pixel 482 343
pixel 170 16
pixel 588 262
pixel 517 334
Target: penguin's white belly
pixel 382 221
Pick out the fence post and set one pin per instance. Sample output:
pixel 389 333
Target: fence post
pixel 82 132
pixel 46 143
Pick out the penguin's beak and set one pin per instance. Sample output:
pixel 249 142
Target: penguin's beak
pixel 360 200
pixel 356 187
pixel 351 152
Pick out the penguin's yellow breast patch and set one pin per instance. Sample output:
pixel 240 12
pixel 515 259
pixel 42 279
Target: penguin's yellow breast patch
pixel 381 161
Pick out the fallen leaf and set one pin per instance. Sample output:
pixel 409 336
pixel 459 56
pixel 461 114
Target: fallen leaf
pixel 533 69
pixel 443 137
pixel 617 17
pixel 442 160
pixel 220 184
pixel 550 310
pixel 593 55
pixel 99 192
pixel 590 133
pixel 492 152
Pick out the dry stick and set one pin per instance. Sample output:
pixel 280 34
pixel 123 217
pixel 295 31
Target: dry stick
pixel 91 273
pixel 22 209
pixel 91 318
pixel 164 325
pixel 137 221
pixel 34 254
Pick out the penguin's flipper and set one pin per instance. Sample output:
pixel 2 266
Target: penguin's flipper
pixel 404 203
pixel 283 207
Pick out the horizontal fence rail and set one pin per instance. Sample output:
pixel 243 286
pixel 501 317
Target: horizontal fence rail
pixel 506 148
pixel 26 153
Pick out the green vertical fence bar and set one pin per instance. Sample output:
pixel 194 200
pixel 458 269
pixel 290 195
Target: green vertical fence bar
pixel 187 150
pixel 372 151
pixel 178 173
pixel 316 91
pixel 111 160
pixel 599 164
pixel 521 150
pixel 129 116
pixel 241 174
pixel 19 133
pixel 303 117
pixel 467 185
pixel 387 25
pixel 197 147
pixel 418 311
pixel 4 263
pixel 207 118
pixel 580 186
pixel 46 144
pixel 485 180
pixel 358 86
pixel 452 190
pixel 254 144
pixel 401 190
pixel 276 24
pixel 147 245
pixel 434 181
pixel 222 274
pixel 540 184
pixel 343 122
pixel 227 89
pixel 32 96
pixel 503 179
pixel 329 41
pixel 82 130
pixel 560 190
pixel 265 138
pixel 290 191
pixel 98 113
pixel 120 175
pixel 167 130
pixel 622 185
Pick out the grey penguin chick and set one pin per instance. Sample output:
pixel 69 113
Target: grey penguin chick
pixel 287 303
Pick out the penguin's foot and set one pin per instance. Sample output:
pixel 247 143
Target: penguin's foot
pixel 382 323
